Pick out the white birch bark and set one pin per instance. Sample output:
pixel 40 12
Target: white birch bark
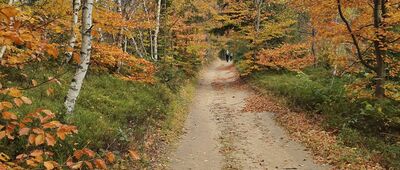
pixel 2 52
pixel 81 71
pixel 150 32
pixel 76 5
pixel 142 43
pixel 157 30
pixel 136 47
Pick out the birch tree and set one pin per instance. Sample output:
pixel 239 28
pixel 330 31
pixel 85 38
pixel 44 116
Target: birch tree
pixel 81 71
pixel 76 4
pixel 157 31
pixel 2 51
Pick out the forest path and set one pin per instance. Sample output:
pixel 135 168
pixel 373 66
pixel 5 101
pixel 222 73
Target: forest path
pixel 219 135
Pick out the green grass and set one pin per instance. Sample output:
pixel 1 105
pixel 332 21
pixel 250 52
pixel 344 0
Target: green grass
pixel 110 113
pixel 364 123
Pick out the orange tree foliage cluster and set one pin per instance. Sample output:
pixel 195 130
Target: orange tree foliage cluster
pixel 289 56
pixel 319 25
pixel 332 31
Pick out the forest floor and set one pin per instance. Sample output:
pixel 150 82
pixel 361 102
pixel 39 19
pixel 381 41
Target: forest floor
pixel 220 134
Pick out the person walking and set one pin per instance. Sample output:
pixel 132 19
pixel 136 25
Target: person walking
pixel 227 56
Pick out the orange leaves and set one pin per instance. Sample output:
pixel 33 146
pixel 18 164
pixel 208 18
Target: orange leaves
pixel 52 124
pixel 110 157
pixel 288 56
pixel 49 165
pixel 100 164
pixel 110 57
pixel 86 157
pixel 24 131
pixel 50 139
pixel 9 116
pixel 134 155
pixel 79 153
pixel 52 50
pixel 8 12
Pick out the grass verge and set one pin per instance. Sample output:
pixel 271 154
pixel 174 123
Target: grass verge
pixel 363 124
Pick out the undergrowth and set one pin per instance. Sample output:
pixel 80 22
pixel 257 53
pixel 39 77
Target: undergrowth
pixel 372 126
pixel 111 114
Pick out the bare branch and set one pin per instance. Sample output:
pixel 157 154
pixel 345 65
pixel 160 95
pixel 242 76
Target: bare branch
pixel 354 38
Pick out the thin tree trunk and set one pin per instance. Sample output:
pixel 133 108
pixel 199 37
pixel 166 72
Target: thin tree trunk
pixel 76 5
pixel 136 47
pixel 120 38
pixel 257 26
pixel 2 52
pixel 125 44
pixel 313 50
pixel 101 37
pixel 81 71
pixel 380 65
pixel 142 43
pixel 157 30
pixel 150 31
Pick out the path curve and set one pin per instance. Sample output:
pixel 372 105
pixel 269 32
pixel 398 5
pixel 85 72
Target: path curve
pixel 220 135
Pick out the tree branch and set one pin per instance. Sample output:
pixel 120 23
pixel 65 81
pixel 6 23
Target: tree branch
pixel 354 38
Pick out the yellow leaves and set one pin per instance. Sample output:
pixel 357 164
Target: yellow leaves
pixel 110 157
pixel 13 92
pixel 4 157
pixel 50 165
pixel 49 91
pixel 134 155
pixel 39 139
pixel 2 134
pixel 34 83
pixel 5 105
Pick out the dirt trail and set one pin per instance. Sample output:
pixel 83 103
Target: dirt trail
pixel 219 135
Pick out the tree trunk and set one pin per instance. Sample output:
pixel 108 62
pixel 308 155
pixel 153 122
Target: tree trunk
pixel 313 50
pixel 136 47
pixel 144 52
pixel 76 5
pixel 378 42
pixel 157 30
pixel 258 4
pixel 2 52
pixel 81 71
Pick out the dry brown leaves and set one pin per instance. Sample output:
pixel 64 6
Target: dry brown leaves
pixel 226 67
pixel 323 144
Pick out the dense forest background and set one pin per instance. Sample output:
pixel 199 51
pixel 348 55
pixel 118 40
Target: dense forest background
pixel 97 83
